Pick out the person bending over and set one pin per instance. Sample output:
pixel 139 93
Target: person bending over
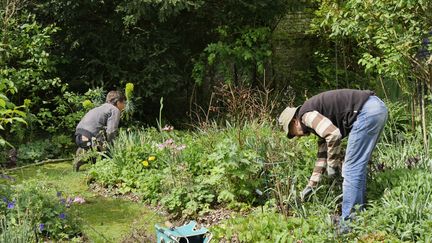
pixel 99 125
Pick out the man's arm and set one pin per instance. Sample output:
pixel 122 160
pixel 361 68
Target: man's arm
pixel 112 124
pixel 320 164
pixel 330 133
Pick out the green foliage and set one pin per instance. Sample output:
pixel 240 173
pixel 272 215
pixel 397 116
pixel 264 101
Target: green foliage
pixel 34 151
pixel 404 209
pixel 388 34
pixel 235 57
pixel 36 205
pixel 271 226
pixel 22 232
pixel 193 172
pixel 156 44
pixel 164 9
pixel 25 58
pixel 237 170
pixel 55 147
pixel 9 113
pixel 26 66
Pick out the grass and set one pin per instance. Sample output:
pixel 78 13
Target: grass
pixel 105 219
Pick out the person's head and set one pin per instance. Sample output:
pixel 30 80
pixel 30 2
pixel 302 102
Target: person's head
pixel 117 99
pixel 290 123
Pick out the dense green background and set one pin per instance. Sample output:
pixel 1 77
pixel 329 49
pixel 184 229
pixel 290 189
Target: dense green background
pixel 53 52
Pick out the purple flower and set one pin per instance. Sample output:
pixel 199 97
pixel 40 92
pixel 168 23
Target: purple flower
pixel 62 216
pixel 62 201
pixel 11 205
pixel 59 194
pixel 41 227
pixel 5 199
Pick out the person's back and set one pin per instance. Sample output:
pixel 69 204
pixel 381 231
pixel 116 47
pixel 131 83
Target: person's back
pixel 102 118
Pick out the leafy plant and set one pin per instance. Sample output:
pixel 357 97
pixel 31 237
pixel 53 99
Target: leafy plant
pixel 9 112
pixel 269 226
pixel 190 173
pixel 237 60
pixel 33 204
pixel 38 150
pixel 404 210
pixel 21 232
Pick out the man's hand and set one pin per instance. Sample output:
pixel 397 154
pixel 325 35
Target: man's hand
pixel 304 196
pixel 332 172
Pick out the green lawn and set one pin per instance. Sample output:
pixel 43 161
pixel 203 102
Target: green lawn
pixel 106 219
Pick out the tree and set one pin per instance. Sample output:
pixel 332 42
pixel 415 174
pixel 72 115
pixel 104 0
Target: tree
pixel 392 39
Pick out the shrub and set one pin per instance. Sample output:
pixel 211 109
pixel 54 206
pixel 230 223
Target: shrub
pixel 55 147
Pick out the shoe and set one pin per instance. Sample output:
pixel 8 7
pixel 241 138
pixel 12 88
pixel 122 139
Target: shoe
pixel 343 229
pixel 342 226
pixel 77 165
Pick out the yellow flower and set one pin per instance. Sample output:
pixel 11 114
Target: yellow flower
pixel 151 158
pixel 145 163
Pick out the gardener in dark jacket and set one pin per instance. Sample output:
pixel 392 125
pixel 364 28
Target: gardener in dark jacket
pixel 99 125
pixel 333 115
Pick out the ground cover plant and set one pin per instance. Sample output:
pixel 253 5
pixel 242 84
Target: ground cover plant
pixel 32 210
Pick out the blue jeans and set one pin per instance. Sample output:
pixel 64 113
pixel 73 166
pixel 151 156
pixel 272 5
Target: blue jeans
pixel 361 142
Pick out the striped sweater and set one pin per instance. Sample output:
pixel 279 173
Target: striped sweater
pixel 329 144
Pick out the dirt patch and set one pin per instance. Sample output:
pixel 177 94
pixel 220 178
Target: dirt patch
pixel 214 217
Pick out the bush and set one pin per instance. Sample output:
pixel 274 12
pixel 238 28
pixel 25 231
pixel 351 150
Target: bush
pixel 57 146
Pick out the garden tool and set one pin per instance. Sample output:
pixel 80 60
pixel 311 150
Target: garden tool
pixel 187 233
pixel 305 194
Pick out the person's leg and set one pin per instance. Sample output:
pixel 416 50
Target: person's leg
pixel 361 142
pixel 79 158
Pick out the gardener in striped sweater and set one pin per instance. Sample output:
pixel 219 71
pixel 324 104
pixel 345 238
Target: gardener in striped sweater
pixel 333 115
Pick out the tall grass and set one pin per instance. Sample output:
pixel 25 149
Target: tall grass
pixel 17 232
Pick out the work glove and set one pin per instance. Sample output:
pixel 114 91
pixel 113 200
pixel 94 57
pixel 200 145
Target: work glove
pixel 304 196
pixel 332 172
